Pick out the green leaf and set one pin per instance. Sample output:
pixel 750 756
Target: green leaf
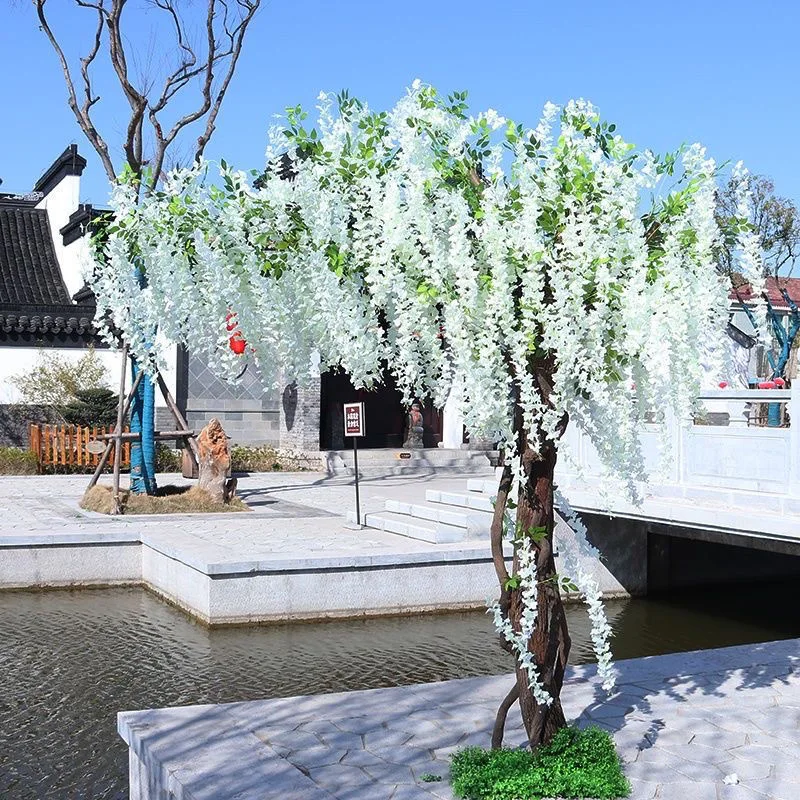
pixel 512 582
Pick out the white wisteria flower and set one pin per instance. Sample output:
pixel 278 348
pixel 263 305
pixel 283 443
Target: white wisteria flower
pixel 544 271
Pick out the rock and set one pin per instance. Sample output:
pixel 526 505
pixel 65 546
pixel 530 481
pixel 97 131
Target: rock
pixel 214 463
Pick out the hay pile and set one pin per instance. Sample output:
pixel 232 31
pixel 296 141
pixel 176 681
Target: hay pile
pixel 167 500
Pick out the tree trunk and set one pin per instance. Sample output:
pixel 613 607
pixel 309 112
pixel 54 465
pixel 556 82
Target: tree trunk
pixel 550 643
pixel 214 462
pixel 143 451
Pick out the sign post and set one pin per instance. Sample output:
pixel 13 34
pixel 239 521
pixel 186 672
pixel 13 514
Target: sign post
pixel 354 426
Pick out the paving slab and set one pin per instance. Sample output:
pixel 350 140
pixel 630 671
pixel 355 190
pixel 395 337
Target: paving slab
pixel 377 744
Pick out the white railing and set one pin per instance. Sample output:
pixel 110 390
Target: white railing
pixel 732 447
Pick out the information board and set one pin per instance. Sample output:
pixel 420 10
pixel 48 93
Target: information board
pixel 354 419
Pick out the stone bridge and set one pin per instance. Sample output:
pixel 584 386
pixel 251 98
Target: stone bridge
pixel 723 478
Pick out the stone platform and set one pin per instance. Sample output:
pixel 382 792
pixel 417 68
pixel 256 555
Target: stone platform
pixel 709 725
pixel 292 557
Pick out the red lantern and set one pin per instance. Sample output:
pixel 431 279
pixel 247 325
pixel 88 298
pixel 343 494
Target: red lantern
pixel 780 383
pixel 237 343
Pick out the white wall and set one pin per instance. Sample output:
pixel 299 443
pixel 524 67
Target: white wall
pixel 16 360
pixel 60 203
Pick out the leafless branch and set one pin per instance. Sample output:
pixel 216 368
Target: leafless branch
pixel 81 113
pixel 225 25
pixel 87 60
pixel 211 106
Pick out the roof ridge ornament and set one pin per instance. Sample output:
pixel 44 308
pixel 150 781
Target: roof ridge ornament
pixel 28 196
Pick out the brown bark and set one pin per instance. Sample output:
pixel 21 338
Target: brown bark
pixel 502 714
pixel 550 642
pixel 214 461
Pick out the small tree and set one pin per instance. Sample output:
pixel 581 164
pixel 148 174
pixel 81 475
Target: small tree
pixel 446 246
pixel 203 64
pixel 55 380
pixel 92 407
pixel 776 224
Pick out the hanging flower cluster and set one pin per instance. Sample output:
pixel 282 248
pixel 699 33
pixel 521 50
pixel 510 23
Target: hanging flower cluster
pixel 452 248
pixel 575 553
pixel 519 639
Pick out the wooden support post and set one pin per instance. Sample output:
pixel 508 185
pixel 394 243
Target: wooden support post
pixel 173 407
pixel 118 431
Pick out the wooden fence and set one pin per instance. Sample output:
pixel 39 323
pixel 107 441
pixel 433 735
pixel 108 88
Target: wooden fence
pixel 69 446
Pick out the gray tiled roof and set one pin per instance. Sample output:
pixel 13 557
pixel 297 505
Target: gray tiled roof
pixel 29 271
pixel 50 319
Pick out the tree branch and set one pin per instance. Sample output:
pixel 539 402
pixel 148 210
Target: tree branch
pixel 225 30
pixel 179 79
pixel 136 100
pixel 81 114
pixel 236 39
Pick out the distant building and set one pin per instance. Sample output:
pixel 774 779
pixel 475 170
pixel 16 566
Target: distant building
pixel 751 356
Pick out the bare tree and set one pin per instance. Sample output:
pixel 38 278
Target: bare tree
pixel 775 219
pixel 206 69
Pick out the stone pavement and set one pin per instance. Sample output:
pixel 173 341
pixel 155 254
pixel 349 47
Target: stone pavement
pixel 293 513
pixel 709 725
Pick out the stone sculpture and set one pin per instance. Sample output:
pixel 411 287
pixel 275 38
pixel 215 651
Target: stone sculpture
pixel 414 428
pixel 215 462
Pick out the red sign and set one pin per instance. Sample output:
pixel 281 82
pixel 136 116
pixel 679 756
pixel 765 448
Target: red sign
pixel 354 419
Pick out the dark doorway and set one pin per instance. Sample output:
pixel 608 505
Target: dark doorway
pixel 384 413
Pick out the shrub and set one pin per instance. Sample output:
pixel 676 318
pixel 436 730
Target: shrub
pixel 17 461
pixel 92 407
pixel 268 459
pixel 167 459
pixel 576 764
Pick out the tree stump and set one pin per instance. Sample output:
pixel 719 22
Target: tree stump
pixel 214 462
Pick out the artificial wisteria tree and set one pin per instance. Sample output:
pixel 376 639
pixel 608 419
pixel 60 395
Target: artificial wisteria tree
pixel 555 276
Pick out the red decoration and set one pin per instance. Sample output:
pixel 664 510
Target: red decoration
pixel 237 343
pixel 766 385
pixel 230 321
pixel 723 384
pixel 780 383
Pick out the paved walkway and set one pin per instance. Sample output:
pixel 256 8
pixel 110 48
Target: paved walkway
pixel 712 725
pixel 293 514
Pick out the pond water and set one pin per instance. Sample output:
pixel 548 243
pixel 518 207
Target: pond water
pixel 71 659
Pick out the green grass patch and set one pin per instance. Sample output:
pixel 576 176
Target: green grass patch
pixel 576 764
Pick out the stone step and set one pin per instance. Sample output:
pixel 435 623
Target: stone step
pixel 413 527
pixel 386 461
pixel 476 524
pixel 474 501
pixel 483 486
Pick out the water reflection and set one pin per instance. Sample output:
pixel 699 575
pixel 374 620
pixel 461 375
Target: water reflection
pixel 71 660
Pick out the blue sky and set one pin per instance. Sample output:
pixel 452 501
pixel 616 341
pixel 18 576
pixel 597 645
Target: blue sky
pixel 725 74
